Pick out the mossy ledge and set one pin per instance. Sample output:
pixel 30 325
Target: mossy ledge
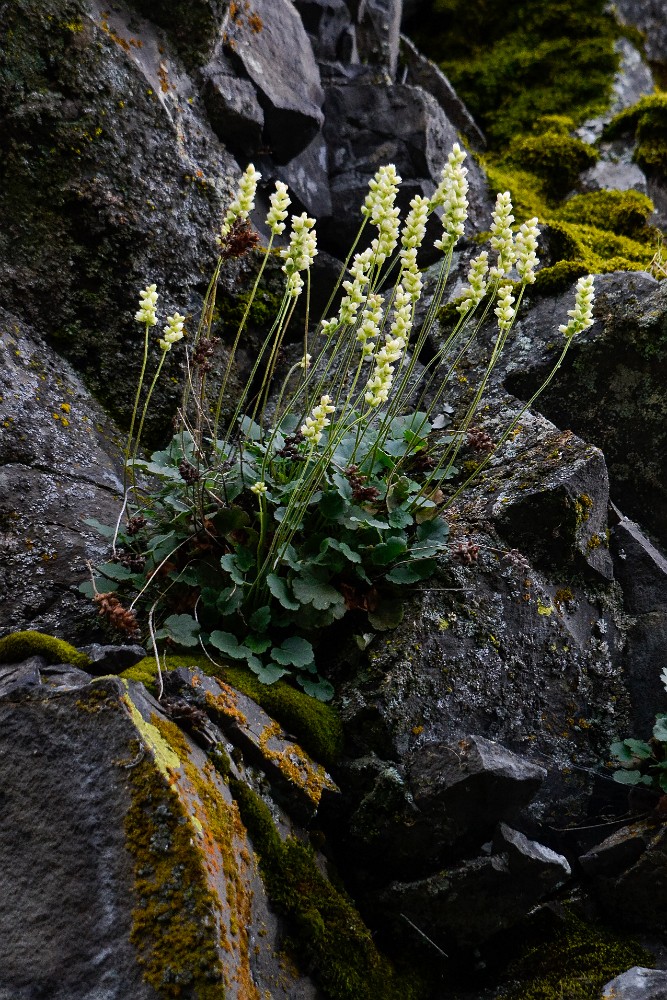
pixel 326 932
pixel 574 961
pixel 316 726
pixel 20 645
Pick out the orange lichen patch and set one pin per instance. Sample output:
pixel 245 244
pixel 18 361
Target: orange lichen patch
pixel 226 703
pixel 222 844
pixel 295 764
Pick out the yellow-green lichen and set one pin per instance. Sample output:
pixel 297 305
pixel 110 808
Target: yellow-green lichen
pixel 166 760
pixel 316 726
pixel 20 645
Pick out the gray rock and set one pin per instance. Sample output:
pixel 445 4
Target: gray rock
pixel 308 178
pixel 637 896
pixel 637 984
pixel 234 112
pixel 422 72
pixel 466 905
pixel 378 33
pixel 331 30
pixel 59 468
pixel 16 678
pixel 649 17
pixel 279 60
pixel 113 659
pixel 607 175
pixel 367 126
pixel 617 852
pixel 194 27
pixel 632 81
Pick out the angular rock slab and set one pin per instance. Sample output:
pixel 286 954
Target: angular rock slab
pixel 637 894
pixel 111 819
pixel 275 53
pixel 468 904
pixel 637 984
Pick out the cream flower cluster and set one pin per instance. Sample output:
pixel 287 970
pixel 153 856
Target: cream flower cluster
pixel 502 239
pixel 412 237
pixel 451 196
pixel 371 318
pixel 173 331
pixel 317 421
pixel 280 202
pixel 300 253
pixel 379 384
pixel 147 303
pixel 525 245
pixel 504 309
pixel 581 317
pixel 356 293
pixel 477 284
pixel 259 489
pixel 380 209
pixel 244 202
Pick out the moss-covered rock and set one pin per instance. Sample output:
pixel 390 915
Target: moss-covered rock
pixel 647 121
pixel 316 726
pixel 556 158
pixel 20 645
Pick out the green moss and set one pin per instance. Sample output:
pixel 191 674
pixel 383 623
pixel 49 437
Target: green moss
pixel 172 929
pixel 20 645
pixel 622 212
pixel 316 726
pixel 648 121
pixel 574 962
pixel 554 157
pixel 326 932
pixel 514 63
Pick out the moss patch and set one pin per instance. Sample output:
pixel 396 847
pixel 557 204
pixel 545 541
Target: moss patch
pixel 20 645
pixel 574 962
pixel 316 726
pixel 326 932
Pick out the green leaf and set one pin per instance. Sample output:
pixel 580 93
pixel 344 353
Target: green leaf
pixel 631 778
pixel 245 559
pixel 280 591
pixel 662 781
pixel 228 644
pixel 316 688
pixel 251 429
pixel 87 589
pixel 310 590
pixel 621 753
pixel 260 619
pixel 385 552
pixel 412 572
pixel 660 728
pixel 295 651
pixel 387 615
pixel 269 673
pixel 639 748
pixel 103 529
pixel 398 493
pixel 332 506
pixel 431 538
pixel 181 629
pixel 229 519
pixel 114 571
pixel 228 562
pixel 257 643
pixel 342 547
pixel 400 518
pixel 229 600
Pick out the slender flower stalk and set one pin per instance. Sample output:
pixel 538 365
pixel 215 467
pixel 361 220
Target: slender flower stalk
pixel 382 376
pixel 355 288
pixel 148 297
pixel 412 238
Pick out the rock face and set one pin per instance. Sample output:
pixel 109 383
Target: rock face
pixel 637 984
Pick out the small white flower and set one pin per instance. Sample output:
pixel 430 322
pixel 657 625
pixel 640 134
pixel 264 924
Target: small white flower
pixel 525 245
pixel 504 311
pixel 581 317
pixel 502 240
pixel 259 489
pixel 474 293
pixel 411 239
pixel 300 253
pixel 451 196
pixel 173 331
pixel 305 361
pixel 393 349
pixel 319 419
pixel 147 303
pixel 244 202
pixel 280 201
pixel 371 318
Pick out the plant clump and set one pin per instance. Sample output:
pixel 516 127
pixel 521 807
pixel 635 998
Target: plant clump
pixel 325 492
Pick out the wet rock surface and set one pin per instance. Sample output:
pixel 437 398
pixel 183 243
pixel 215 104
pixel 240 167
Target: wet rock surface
pixel 637 984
